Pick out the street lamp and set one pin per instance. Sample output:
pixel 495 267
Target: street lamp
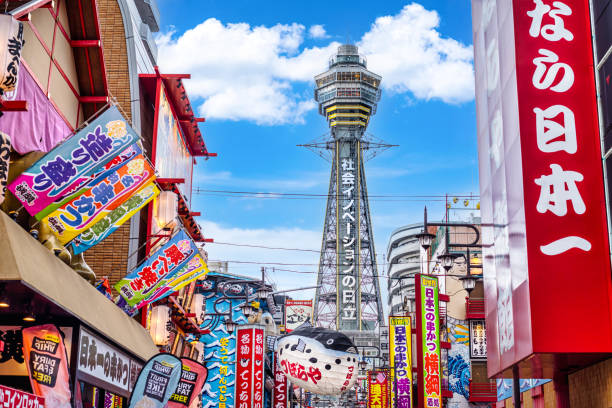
pixel 246 309
pixel 230 325
pixel 425 238
pixel 468 281
pixel 447 260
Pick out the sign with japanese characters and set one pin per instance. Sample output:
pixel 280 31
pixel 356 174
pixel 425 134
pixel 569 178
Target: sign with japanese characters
pixel 100 199
pixel 297 312
pixel 348 242
pixel 542 189
pixel 74 162
pixel 156 382
pixel 114 219
pixel 11 43
pixel 166 261
pixel 47 363
pixel 12 398
pixel 400 357
pixel 249 366
pixel 378 389
pixel 478 339
pixel 105 363
pixel 428 341
pixel 281 386
pixel 190 385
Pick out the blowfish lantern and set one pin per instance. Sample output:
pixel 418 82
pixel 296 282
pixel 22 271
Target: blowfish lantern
pixel 318 360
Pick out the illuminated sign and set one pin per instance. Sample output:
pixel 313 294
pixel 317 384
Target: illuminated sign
pixel 428 341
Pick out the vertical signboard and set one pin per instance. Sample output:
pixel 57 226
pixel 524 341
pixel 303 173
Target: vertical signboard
pixel 279 398
pixel 428 341
pixel 478 339
pixel 258 367
pixel 378 389
pixel 542 189
pixel 347 246
pixel 400 357
pixel 249 366
pixel 297 312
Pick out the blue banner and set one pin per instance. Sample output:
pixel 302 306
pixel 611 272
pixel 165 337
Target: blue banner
pixel 156 382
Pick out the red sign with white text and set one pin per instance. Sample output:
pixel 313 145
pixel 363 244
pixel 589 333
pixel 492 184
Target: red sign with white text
pixel 249 366
pixel 542 187
pixel 280 385
pixel 258 367
pixel 12 398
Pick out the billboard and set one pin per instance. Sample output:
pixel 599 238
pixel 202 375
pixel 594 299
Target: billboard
pixel 297 312
pixel 249 366
pixel 541 183
pixel 428 341
pixel 400 356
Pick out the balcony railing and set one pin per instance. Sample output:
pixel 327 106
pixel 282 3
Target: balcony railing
pixel 474 308
pixel 483 392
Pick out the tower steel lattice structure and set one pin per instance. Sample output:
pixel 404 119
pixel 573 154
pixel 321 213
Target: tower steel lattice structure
pixel 348 297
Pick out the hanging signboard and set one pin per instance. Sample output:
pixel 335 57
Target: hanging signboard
pixel 378 389
pixel 11 43
pixel 297 312
pixel 166 261
pixel 190 385
pixel 114 219
pixel 100 199
pixel 47 363
pixel 73 163
pixel 428 341
pixel 156 382
pixel 279 397
pixel 478 339
pixel 542 186
pixel 249 366
pixel 12 398
pixel 400 356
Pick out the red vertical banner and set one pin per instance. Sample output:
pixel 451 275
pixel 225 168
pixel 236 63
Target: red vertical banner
pixel 280 385
pixel 46 360
pixel 249 366
pixel 378 389
pixel 258 367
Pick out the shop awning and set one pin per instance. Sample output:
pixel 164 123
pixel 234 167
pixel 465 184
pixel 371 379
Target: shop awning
pixel 25 260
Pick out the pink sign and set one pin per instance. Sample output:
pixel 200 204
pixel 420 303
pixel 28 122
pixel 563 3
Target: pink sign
pixel 249 367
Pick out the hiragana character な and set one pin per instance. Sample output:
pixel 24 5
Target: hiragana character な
pixel 550 32
pixel 103 193
pixel 85 205
pixel 97 144
pixel 557 188
pixel 175 256
pixel 59 171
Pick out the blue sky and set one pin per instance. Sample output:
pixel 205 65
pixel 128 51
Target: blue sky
pixel 252 65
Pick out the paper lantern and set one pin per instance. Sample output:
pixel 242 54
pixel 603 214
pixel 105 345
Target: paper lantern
pixel 166 210
pixel 198 307
pixel 11 42
pixel 318 360
pixel 159 328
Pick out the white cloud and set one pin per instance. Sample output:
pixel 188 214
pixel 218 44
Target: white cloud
pixel 317 31
pixel 246 72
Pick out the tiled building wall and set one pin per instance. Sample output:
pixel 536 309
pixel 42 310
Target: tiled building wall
pixel 592 386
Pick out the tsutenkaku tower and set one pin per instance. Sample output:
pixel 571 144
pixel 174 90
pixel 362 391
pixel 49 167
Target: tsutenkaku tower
pixel 349 295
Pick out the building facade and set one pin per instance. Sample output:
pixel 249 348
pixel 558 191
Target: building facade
pixel 403 262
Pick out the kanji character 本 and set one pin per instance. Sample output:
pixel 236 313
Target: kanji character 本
pixel 544 77
pixel 97 144
pixel 551 32
pixel 549 131
pixel 103 193
pixel 59 171
pixel 557 188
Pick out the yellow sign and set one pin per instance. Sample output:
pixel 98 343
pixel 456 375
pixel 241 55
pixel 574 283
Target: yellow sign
pixel 400 357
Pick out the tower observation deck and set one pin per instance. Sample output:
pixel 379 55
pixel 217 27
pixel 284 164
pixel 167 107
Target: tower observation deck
pixel 348 297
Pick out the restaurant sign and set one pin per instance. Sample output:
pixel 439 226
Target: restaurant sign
pixel 428 341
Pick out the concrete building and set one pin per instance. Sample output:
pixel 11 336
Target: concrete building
pixel 403 262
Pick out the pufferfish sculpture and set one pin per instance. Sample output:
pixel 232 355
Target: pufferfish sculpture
pixel 318 360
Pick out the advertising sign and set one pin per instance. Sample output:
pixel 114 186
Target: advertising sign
pixel 11 42
pixel 157 382
pixel 297 312
pixel 542 189
pixel 280 393
pixel 46 360
pixel 100 199
pixel 249 366
pixel 478 339
pixel 72 164
pixel 400 356
pixel 190 385
pixel 165 262
pixel 12 398
pixel 258 367
pixel 114 219
pixel 428 341
pixel 378 389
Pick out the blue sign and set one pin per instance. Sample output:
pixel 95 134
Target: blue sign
pixel 504 386
pixel 156 382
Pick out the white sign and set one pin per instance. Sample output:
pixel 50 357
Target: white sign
pixel 478 339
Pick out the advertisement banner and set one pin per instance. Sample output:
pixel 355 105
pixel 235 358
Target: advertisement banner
pixel 190 385
pixel 47 363
pixel 297 312
pixel 114 219
pixel 258 367
pixel 166 261
pixel 244 366
pixel 428 341
pixel 99 200
pixel 71 165
pixel 378 389
pixel 157 382
pixel 194 269
pixel 12 398
pixel 280 393
pixel 400 356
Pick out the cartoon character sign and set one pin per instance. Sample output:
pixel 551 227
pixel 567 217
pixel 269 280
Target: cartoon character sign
pixel 318 360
